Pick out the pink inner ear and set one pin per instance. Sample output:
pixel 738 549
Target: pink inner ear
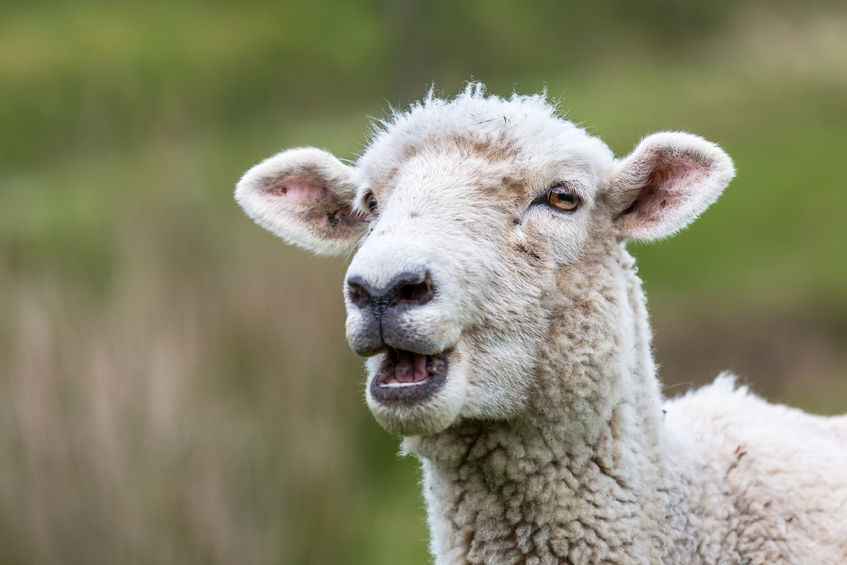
pixel 666 187
pixel 297 189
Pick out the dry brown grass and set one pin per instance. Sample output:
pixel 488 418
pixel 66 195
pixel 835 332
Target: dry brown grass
pixel 178 419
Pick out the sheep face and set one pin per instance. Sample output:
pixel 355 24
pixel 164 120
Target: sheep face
pixel 473 230
pixel 460 215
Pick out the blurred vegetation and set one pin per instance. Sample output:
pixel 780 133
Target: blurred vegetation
pixel 176 387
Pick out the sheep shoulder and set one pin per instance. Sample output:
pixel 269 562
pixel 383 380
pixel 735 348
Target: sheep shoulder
pixel 769 482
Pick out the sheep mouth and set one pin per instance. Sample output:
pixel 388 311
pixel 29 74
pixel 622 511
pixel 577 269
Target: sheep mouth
pixel 406 377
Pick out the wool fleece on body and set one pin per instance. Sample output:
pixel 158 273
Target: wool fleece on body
pixel 508 342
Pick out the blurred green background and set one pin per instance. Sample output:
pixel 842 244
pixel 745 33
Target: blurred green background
pixel 174 382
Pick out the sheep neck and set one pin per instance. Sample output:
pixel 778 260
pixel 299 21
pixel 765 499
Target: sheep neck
pixel 581 477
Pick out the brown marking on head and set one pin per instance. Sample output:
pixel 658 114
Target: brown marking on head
pixel 527 249
pixel 498 150
pixel 515 190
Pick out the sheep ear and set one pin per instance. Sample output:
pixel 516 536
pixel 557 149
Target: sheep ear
pixel 305 196
pixel 666 183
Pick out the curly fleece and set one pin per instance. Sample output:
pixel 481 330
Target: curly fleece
pixel 599 471
pixel 550 441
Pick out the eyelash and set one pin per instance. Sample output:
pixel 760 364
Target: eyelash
pixel 567 205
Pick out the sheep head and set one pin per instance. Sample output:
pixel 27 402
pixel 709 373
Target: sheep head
pixel 458 216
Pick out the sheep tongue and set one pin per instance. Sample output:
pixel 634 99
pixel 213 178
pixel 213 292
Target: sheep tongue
pixel 410 367
pixel 404 370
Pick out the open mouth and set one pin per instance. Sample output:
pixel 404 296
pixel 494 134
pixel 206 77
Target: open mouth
pixel 407 377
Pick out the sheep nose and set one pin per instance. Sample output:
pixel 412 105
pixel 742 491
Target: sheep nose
pixel 410 288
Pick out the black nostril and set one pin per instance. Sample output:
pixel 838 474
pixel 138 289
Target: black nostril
pixel 416 290
pixel 357 292
pixel 409 288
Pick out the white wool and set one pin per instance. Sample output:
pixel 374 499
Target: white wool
pixel 550 441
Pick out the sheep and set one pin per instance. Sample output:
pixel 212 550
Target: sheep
pixel 507 340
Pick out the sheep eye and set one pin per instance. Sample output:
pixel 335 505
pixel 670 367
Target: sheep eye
pixel 562 198
pixel 370 202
